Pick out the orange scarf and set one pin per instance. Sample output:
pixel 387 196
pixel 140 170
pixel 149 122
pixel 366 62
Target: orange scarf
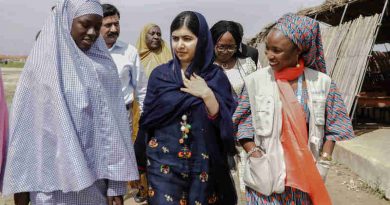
pixel 291 73
pixel 301 170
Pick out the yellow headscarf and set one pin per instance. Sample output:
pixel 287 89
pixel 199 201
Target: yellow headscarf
pixel 150 59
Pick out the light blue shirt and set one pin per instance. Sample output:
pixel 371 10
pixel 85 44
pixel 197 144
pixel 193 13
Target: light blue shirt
pixel 131 72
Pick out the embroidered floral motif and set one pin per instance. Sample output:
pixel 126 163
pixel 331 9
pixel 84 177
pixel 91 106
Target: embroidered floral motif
pixel 204 177
pixel 164 169
pixel 168 198
pixel 165 149
pixel 198 203
pixel 212 199
pixel 185 153
pixel 151 192
pixel 183 200
pixel 184 175
pixel 153 143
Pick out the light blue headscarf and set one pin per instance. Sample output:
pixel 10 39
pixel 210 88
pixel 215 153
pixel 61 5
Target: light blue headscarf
pixel 69 125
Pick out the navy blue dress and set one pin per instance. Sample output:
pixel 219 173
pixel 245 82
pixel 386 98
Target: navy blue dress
pixel 180 170
pixel 187 165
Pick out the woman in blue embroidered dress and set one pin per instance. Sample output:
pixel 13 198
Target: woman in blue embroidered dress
pixel 186 128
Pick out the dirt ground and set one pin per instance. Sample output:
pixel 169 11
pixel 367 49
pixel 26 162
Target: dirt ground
pixel 345 188
pixel 343 185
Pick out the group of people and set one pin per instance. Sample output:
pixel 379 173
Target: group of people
pixel 200 123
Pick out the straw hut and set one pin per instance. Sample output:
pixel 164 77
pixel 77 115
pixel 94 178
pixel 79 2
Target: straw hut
pixel 350 31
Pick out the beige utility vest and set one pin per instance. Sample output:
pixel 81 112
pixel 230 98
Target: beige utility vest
pixel 266 109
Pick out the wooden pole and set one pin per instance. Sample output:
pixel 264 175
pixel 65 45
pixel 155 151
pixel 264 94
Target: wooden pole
pixel 372 46
pixel 345 11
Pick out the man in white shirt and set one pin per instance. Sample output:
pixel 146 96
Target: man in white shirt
pixel 125 56
pixel 127 60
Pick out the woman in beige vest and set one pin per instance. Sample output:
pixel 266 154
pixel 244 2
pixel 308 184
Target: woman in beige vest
pixel 289 117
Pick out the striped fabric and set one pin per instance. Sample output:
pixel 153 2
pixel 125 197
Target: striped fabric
pixel 242 118
pixel 305 33
pixel 69 125
pixel 290 196
pixel 338 125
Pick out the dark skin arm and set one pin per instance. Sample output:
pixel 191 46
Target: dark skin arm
pixel 115 200
pixel 249 144
pixel 22 198
pixel 328 147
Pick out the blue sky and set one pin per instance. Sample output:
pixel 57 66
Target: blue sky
pixel 20 20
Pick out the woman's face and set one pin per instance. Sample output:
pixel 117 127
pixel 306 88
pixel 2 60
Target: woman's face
pixel 153 38
pixel 184 44
pixel 225 48
pixel 85 30
pixel 280 51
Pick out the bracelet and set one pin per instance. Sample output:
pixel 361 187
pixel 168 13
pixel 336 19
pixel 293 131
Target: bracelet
pixel 254 149
pixel 325 156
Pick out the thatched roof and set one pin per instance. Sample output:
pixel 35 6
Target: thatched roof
pixel 328 5
pixel 331 11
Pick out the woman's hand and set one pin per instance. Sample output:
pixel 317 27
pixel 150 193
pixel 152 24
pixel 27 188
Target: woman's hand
pixel 196 86
pixel 256 154
pixel 115 200
pixel 249 145
pixel 22 198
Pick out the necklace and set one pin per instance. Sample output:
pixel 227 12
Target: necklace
pixel 228 64
pixel 225 65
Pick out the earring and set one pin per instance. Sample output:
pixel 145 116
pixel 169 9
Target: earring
pixel 298 65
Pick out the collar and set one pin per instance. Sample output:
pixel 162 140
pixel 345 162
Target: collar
pixel 118 43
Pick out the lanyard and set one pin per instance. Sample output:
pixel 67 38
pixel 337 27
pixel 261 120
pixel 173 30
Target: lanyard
pixel 299 90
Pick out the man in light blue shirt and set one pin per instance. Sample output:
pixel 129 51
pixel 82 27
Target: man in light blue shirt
pixel 126 58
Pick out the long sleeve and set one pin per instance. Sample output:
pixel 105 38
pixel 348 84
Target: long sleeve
pixel 116 188
pixel 242 118
pixel 139 81
pixel 338 124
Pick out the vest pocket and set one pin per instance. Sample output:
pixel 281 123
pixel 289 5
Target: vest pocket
pixel 319 110
pixel 264 114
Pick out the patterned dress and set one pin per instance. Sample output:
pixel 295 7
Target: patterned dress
pixel 179 169
pixel 338 127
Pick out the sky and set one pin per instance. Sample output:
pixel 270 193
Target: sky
pixel 20 20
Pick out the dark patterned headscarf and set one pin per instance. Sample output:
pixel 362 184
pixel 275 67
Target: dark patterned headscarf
pixel 305 33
